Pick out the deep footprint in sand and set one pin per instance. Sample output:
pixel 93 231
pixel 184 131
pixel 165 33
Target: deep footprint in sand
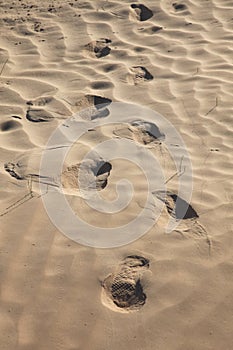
pixel 98 48
pixel 89 175
pixel 123 289
pixel 145 133
pixel 139 75
pixel 51 104
pixel 91 107
pixel 141 12
pixel 15 170
pixel 179 209
pixel 38 116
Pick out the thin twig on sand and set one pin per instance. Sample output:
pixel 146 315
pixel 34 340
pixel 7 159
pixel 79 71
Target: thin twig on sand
pixel 4 64
pixel 178 173
pixel 216 105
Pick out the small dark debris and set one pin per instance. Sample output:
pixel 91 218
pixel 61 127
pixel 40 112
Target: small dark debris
pixel 16 117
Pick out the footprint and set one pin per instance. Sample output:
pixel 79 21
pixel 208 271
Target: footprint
pixel 142 12
pixel 123 290
pixel 41 101
pixel 15 170
pixel 98 48
pixel 37 27
pixel 139 74
pixel 52 105
pixel 146 133
pixel 142 132
pixel 179 209
pixel 38 116
pixel 91 107
pixel 89 175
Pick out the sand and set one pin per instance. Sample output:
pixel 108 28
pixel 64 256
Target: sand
pixel 163 291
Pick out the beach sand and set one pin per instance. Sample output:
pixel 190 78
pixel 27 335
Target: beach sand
pixel 58 58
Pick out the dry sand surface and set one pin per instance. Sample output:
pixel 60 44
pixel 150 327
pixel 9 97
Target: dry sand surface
pixel 163 291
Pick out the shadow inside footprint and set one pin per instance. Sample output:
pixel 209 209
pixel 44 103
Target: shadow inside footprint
pixel 143 12
pixel 89 175
pixel 104 167
pixel 102 172
pixel 183 210
pixel 93 107
pixel 180 209
pixel 99 48
pixel 176 206
pixel 101 102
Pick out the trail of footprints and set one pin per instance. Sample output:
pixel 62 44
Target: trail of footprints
pixel 122 290
pixel 89 107
pixel 145 133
